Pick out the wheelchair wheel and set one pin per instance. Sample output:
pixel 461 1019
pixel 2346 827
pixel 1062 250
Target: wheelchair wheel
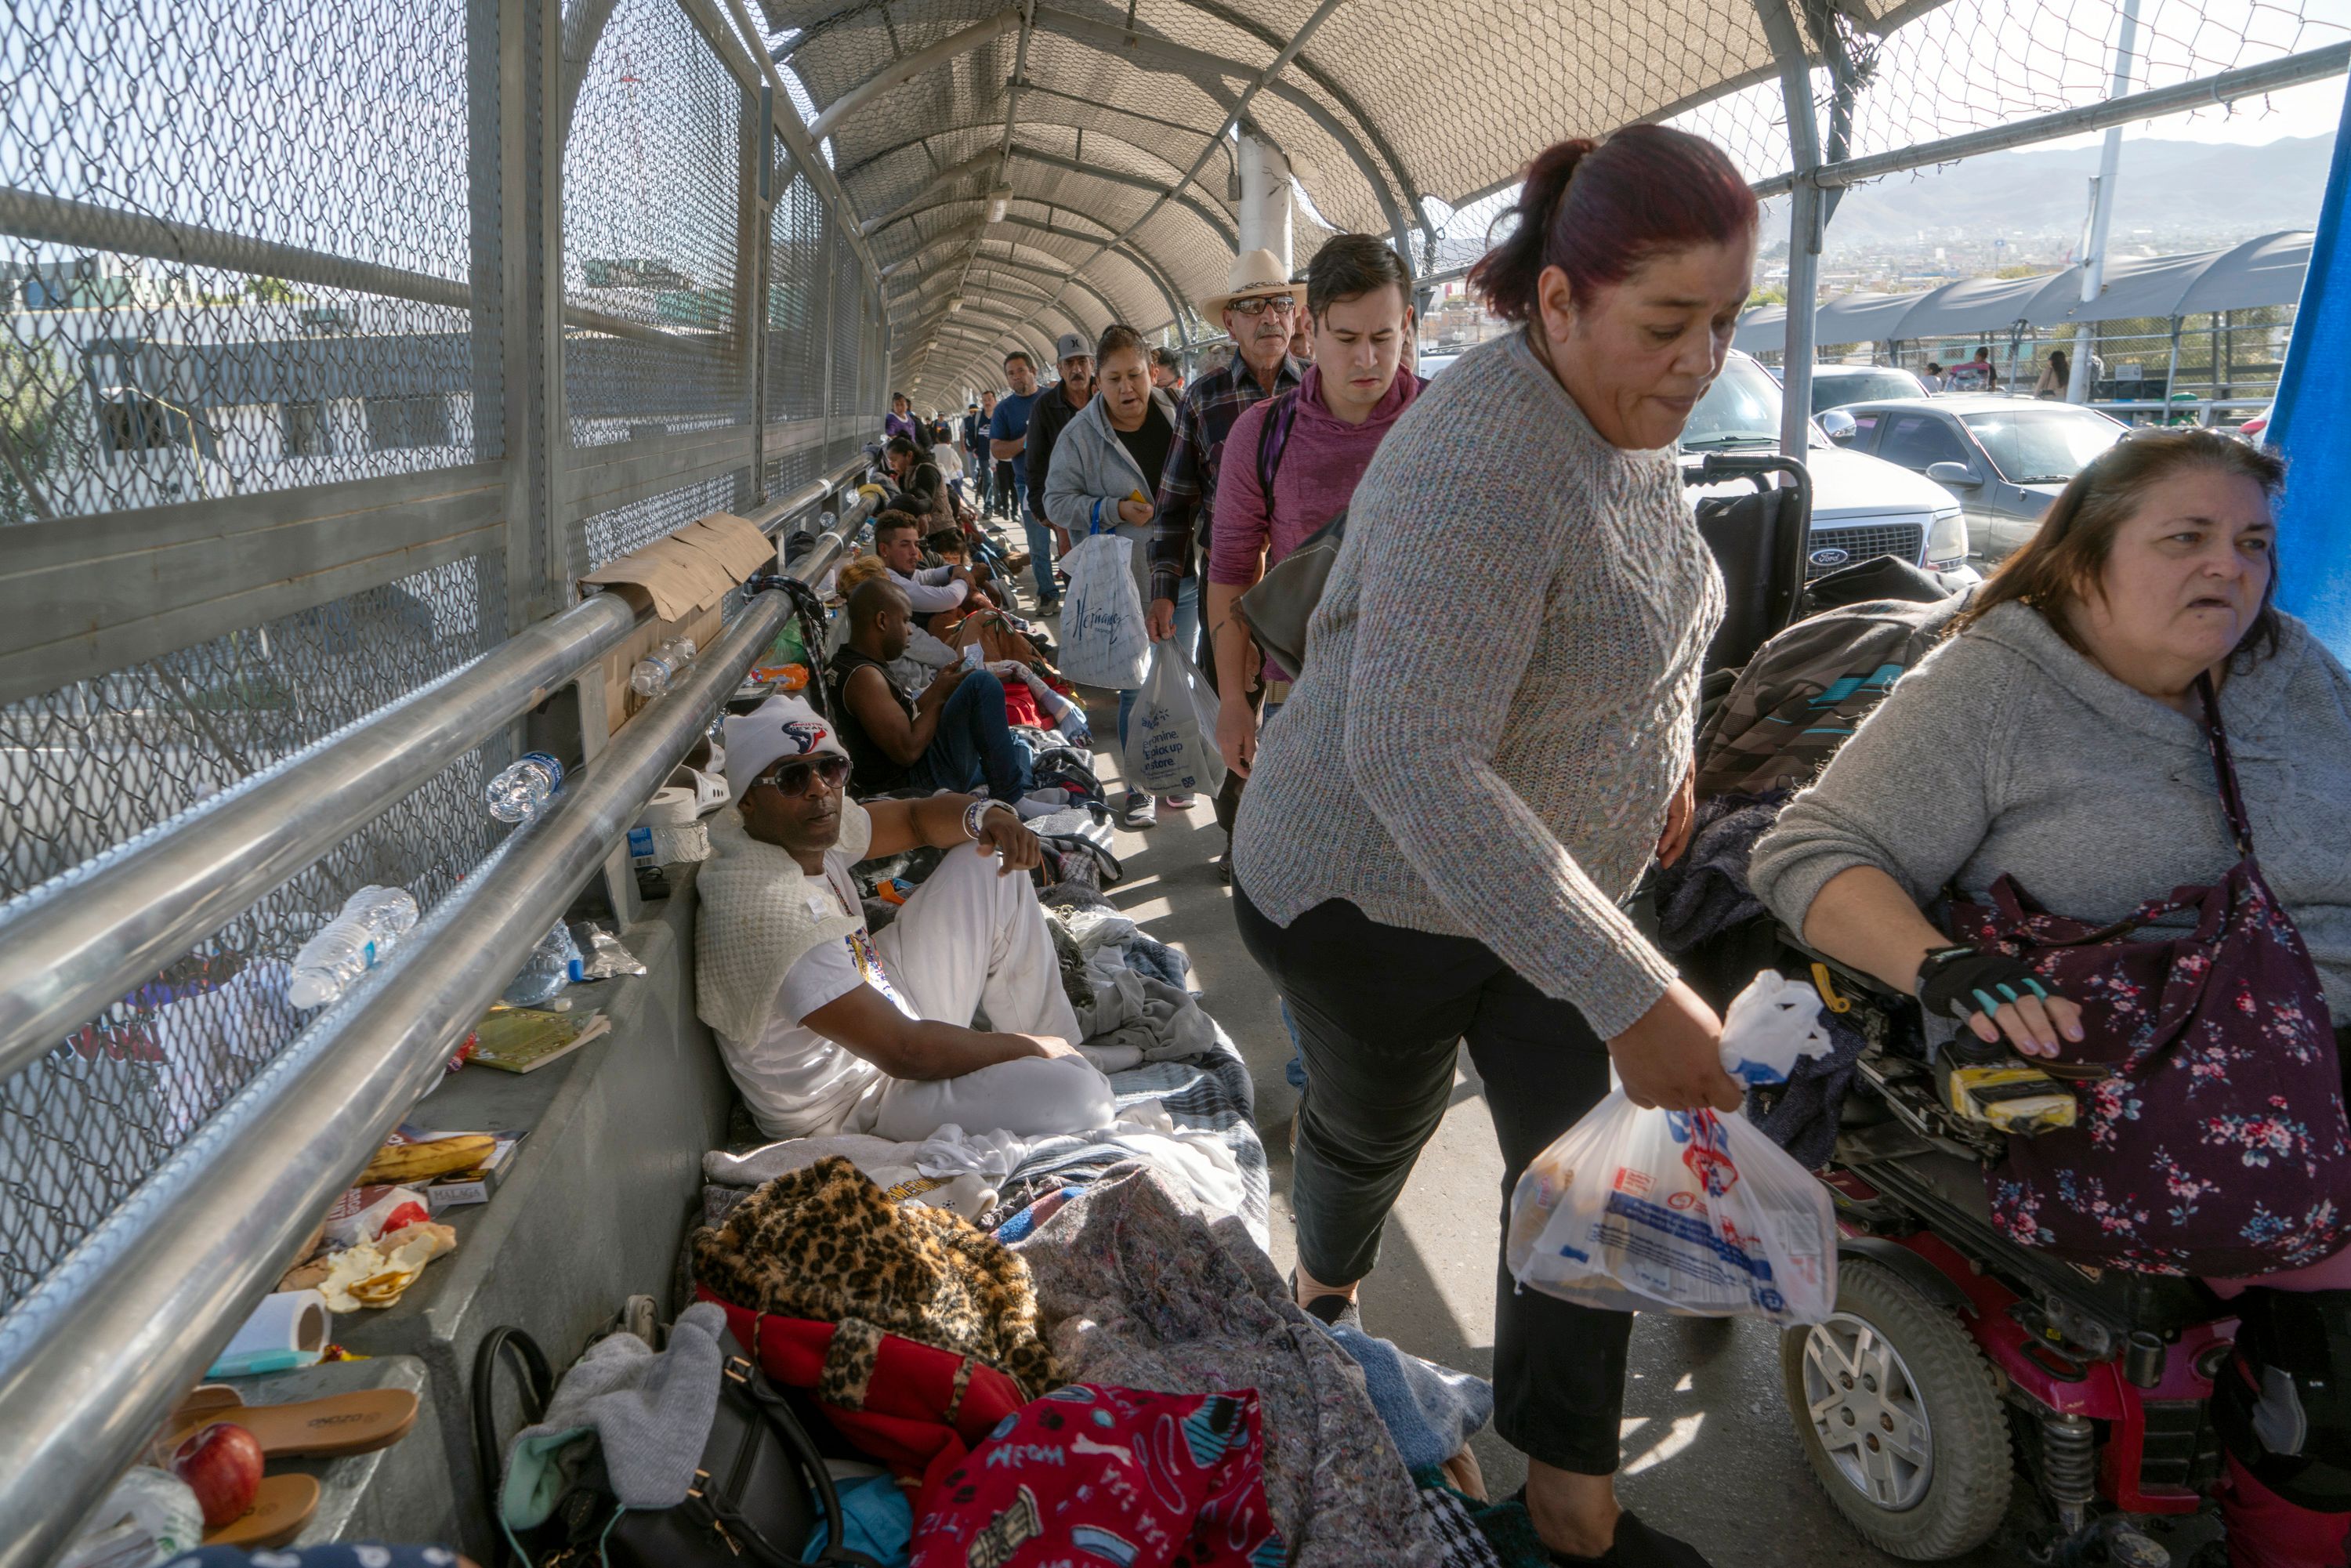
pixel 1900 1418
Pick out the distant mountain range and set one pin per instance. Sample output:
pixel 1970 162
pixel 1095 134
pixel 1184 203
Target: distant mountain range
pixel 2167 189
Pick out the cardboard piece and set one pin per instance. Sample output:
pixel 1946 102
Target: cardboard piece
pixel 684 578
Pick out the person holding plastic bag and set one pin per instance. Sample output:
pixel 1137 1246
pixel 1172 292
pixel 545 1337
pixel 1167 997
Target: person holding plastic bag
pixel 1692 1212
pixel 1170 745
pixel 1491 743
pixel 1105 474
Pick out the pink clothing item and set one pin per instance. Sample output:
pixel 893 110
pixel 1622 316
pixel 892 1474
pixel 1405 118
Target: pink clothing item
pixel 1324 458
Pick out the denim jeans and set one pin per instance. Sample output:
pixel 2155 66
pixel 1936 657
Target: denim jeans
pixel 1380 1013
pixel 973 749
pixel 1187 632
pixel 1041 560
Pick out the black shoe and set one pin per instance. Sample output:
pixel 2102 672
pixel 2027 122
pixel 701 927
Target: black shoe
pixel 1636 1546
pixel 1331 1308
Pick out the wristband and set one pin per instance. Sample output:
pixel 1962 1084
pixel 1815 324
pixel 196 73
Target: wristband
pixel 974 811
pixel 1959 982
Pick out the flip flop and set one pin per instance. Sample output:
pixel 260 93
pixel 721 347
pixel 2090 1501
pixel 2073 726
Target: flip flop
pixel 334 1427
pixel 280 1509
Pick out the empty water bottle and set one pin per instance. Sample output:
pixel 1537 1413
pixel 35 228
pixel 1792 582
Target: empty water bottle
pixel 553 964
pixel 362 936
pixel 654 672
pixel 523 786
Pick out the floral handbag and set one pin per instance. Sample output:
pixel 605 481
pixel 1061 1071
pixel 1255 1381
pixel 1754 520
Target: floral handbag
pixel 2215 1143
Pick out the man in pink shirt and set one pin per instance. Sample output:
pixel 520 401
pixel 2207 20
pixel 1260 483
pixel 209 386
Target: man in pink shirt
pixel 1315 440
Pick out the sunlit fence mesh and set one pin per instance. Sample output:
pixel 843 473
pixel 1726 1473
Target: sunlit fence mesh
pixel 289 262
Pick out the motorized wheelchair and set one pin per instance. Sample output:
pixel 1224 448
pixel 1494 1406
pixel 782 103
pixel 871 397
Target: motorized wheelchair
pixel 1955 1360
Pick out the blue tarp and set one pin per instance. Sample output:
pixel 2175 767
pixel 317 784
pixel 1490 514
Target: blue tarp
pixel 2308 421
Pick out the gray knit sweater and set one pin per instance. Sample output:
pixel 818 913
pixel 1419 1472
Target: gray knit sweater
pixel 2007 752
pixel 1498 695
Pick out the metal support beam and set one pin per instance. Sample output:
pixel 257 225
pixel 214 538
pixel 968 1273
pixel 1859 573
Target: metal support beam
pixel 923 201
pixel 1265 210
pixel 1804 225
pixel 2204 92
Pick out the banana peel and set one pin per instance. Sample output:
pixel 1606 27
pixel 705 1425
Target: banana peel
pixel 397 1164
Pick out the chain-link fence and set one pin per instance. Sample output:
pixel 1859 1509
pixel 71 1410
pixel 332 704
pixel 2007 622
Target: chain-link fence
pixel 281 441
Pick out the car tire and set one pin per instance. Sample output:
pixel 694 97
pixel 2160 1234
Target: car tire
pixel 1900 1418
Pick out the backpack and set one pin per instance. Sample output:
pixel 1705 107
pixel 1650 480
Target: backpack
pixel 1803 693
pixel 1277 610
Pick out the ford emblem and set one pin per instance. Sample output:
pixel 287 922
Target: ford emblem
pixel 1830 556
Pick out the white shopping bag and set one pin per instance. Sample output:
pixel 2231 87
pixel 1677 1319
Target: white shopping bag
pixel 1690 1212
pixel 1103 639
pixel 1171 736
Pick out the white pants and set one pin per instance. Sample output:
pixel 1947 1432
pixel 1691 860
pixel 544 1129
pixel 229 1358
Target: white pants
pixel 970 939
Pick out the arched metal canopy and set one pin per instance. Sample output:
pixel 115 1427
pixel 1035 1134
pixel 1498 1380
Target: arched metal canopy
pixel 1109 121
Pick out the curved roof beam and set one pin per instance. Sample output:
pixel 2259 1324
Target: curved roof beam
pixel 1127 249
pixel 930 311
pixel 914 203
pixel 994 288
pixel 1014 264
pixel 862 164
pixel 1204 69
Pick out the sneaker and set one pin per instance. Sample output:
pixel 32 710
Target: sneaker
pixel 1138 812
pixel 1178 802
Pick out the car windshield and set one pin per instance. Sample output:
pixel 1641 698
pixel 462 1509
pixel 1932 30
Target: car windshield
pixel 1870 386
pixel 2043 445
pixel 1740 409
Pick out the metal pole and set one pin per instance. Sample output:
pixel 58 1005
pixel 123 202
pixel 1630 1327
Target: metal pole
pixel 91 1360
pixel 1265 209
pixel 1804 227
pixel 2170 371
pixel 2093 264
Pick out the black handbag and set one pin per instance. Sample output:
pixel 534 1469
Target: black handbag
pixel 759 1489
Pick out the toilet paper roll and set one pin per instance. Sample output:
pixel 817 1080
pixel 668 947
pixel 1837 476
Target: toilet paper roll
pixel 287 1330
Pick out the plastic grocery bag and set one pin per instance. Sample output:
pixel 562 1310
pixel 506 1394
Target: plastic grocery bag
pixel 1171 736
pixel 1103 639
pixel 1691 1212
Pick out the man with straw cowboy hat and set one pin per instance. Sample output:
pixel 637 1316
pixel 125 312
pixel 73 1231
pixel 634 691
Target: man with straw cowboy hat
pixel 1258 308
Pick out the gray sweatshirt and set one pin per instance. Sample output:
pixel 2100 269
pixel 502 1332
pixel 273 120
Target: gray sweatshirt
pixel 2007 752
pixel 1499 690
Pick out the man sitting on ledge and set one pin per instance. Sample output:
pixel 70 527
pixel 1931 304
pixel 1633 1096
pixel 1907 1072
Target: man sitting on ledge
pixel 826 1027
pixel 954 737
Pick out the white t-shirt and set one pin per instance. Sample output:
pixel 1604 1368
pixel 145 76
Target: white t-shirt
pixel 950 465
pixel 797 1083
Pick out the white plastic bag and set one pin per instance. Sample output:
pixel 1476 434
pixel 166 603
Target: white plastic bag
pixel 1171 736
pixel 1103 639
pixel 1690 1212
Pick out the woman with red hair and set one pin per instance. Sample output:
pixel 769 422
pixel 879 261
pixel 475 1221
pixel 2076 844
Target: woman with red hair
pixel 1490 743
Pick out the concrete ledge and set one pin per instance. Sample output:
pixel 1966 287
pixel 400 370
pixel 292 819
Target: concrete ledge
pixel 594 1211
pixel 399 1495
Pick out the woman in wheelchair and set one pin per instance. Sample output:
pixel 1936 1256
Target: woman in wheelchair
pixel 2060 738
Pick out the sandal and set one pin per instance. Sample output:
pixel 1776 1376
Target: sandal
pixel 280 1509
pixel 335 1426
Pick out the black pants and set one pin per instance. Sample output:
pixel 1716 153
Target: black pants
pixel 1379 1011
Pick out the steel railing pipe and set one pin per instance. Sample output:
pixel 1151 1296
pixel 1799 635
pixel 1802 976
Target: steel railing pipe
pixel 92 1359
pixel 75 943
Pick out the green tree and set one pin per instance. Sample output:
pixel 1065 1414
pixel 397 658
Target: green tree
pixel 1776 293
pixel 34 392
pixel 271 291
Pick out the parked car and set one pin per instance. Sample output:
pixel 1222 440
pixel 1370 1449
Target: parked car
pixel 1862 508
pixel 2006 457
pixel 1837 386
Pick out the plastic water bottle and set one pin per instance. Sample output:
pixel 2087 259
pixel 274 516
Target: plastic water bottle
pixel 523 786
pixel 553 964
pixel 371 924
pixel 654 672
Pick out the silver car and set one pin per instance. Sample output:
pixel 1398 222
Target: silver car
pixel 2005 457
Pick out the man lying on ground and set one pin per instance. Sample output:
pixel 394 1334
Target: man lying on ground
pixel 955 735
pixel 826 1027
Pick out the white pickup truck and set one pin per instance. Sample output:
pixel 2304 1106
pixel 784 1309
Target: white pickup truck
pixel 1863 506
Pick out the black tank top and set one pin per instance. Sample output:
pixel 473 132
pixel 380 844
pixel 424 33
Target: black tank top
pixel 872 770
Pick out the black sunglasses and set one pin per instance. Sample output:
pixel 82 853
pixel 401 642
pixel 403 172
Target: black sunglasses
pixel 792 777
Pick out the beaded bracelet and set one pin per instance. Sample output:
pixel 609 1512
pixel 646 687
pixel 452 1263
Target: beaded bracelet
pixel 972 814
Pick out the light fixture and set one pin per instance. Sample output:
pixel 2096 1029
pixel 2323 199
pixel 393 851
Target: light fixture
pixel 999 201
pixel 955 303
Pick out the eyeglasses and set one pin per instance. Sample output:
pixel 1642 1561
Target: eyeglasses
pixel 793 778
pixel 1279 304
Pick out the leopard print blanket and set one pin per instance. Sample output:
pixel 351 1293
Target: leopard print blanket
pixel 823 1242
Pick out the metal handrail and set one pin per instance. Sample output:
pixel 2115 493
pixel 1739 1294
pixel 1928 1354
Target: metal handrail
pixel 71 945
pixel 91 1360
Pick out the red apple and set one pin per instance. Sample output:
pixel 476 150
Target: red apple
pixel 222 1464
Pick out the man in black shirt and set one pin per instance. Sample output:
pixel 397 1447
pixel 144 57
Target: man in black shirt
pixel 1055 407
pixel 954 737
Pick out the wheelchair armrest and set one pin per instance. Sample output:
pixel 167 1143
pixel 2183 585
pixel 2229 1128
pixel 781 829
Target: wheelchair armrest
pixel 1849 978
